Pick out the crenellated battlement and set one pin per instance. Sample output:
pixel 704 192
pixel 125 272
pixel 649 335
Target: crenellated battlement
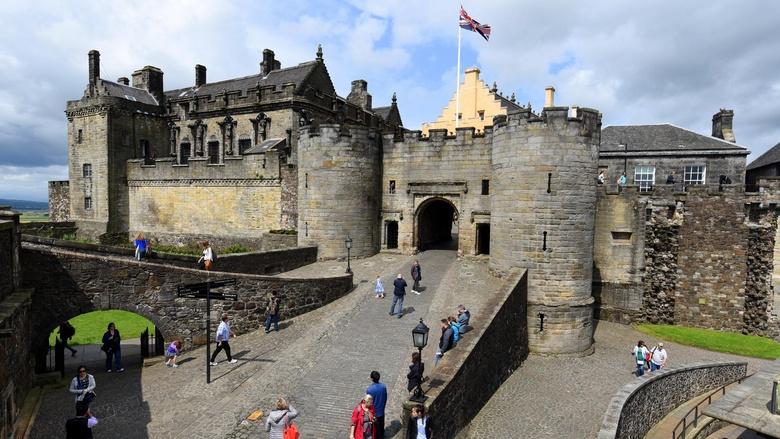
pixel 582 122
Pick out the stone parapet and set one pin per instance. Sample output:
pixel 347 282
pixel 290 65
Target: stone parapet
pixel 641 404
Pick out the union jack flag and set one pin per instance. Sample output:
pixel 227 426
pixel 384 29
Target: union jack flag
pixel 468 23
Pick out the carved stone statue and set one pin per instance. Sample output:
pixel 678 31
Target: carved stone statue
pixel 172 129
pixel 200 133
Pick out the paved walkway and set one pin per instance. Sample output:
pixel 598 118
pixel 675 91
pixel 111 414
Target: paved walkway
pixel 566 397
pixel 320 361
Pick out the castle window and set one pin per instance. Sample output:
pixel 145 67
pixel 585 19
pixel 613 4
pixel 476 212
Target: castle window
pixel 460 116
pixel 306 180
pixel 644 177
pixel 391 187
pixel 87 203
pixel 481 114
pixel 243 145
pixel 143 147
pixel 485 187
pixel 213 150
pixel 184 153
pixel 694 174
pixel 79 136
pixel 86 170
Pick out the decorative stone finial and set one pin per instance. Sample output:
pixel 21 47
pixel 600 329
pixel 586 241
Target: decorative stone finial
pixel 512 99
pixel 319 52
pixel 394 99
pixel 494 88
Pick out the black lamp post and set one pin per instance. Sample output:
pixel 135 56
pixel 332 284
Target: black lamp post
pixel 420 340
pixel 348 245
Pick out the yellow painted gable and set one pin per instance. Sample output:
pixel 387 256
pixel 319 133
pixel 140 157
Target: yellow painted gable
pixel 478 105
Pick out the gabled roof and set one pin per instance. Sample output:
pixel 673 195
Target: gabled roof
pixel 390 114
pixel 127 92
pixel 506 103
pixel 297 75
pixel 661 137
pixel 767 158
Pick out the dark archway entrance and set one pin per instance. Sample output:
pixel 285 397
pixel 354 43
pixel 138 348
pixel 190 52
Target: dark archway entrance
pixel 436 227
pixel 392 234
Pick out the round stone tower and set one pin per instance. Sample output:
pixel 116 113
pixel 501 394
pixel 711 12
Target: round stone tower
pixel 339 179
pixel 543 205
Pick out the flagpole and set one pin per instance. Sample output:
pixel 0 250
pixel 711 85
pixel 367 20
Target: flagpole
pixel 457 84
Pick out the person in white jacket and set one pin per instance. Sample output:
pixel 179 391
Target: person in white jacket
pixel 83 386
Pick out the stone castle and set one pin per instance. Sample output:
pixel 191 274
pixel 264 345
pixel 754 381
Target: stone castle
pixel 235 161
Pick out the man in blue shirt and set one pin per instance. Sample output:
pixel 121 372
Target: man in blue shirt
pixel 223 336
pixel 378 391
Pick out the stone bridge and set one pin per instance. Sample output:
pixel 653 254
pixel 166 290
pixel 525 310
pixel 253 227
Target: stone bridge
pixel 70 281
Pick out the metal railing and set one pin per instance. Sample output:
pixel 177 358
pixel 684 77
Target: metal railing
pixel 695 410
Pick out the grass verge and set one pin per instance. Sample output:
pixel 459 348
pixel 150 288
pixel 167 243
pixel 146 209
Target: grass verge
pixel 91 326
pixel 719 341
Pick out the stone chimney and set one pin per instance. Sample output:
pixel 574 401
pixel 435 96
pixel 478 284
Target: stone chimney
pixel 200 75
pixel 269 63
pixel 150 78
pixel 549 97
pixel 123 80
pixel 722 125
pixel 359 94
pixel 471 76
pixel 94 67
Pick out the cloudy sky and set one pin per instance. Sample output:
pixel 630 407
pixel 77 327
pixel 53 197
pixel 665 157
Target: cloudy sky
pixel 637 62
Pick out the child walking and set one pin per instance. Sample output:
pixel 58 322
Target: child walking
pixel 172 353
pixel 379 289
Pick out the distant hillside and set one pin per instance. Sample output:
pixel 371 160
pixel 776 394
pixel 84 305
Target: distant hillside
pixel 24 204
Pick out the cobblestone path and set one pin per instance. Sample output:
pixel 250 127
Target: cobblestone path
pixel 567 397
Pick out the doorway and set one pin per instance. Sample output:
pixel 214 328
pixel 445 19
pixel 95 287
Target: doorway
pixel 483 239
pixel 391 233
pixel 436 225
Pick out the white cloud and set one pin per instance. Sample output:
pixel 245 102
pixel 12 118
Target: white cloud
pixel 29 183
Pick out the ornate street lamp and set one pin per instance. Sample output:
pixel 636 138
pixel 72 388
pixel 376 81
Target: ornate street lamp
pixel 420 340
pixel 348 245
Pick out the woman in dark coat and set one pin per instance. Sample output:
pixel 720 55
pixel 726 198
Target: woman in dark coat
pixel 415 374
pixel 419 424
pixel 111 346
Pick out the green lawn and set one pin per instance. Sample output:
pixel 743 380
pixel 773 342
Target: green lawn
pixel 729 342
pixel 91 326
pixel 34 217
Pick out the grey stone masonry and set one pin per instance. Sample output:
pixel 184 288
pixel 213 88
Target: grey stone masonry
pixel 59 201
pixel 338 190
pixel 542 213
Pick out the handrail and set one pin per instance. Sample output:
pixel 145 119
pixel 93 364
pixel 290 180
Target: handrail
pixel 695 409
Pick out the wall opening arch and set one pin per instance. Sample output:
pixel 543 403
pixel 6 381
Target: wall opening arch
pixel 437 225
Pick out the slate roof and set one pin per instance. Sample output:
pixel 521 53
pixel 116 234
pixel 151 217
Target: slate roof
pixel 296 74
pixel 662 137
pixel 506 103
pixel 267 145
pixel 129 93
pixel 767 158
pixel 383 112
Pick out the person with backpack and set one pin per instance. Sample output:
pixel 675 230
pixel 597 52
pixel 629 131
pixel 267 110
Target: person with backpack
pixel 209 256
pixel 640 352
pixel 67 331
pixel 280 420
pixel 272 311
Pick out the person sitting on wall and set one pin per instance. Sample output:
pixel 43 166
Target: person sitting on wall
pixel 464 316
pixel 141 246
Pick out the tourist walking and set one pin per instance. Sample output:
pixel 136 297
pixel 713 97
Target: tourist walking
pixel 378 391
pixel 658 357
pixel 379 288
pixel 272 313
pixel 83 386
pixel 141 246
pixel 622 180
pixel 80 427
pixel 399 291
pixel 419 426
pixel 67 331
pixel 279 419
pixel 208 256
pixel 640 353
pixel 223 338
pixel 416 276
pixel 172 353
pixel 113 348
pixel 415 375
pixel 363 425
pixel 445 342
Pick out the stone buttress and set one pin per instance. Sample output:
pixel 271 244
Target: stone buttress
pixel 543 207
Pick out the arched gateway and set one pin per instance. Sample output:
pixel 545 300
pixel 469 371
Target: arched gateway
pixel 436 225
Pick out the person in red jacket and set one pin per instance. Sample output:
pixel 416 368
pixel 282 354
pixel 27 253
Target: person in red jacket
pixel 362 425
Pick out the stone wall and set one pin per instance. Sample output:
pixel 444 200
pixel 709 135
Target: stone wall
pixel 641 404
pixel 662 246
pixel 712 260
pixel 49 229
pixel 759 293
pixel 468 375
pixel 16 365
pixel 6 258
pixel 436 167
pixel 59 201
pixel 78 283
pixel 731 164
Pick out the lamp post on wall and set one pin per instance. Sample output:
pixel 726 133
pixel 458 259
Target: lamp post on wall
pixel 420 340
pixel 348 245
